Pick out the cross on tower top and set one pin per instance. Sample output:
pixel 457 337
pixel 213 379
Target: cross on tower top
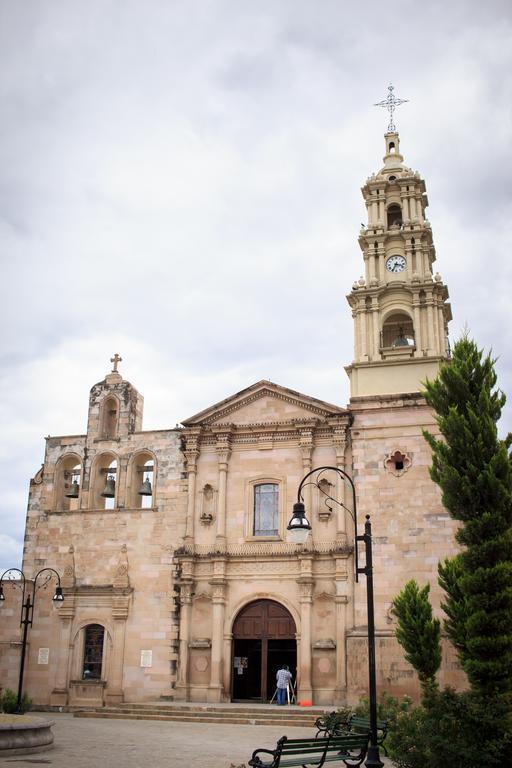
pixel 116 359
pixel 391 102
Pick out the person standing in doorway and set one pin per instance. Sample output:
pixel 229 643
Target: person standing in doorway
pixel 283 678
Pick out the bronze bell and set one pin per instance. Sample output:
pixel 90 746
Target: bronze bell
pixel 145 489
pixel 109 491
pixel 74 490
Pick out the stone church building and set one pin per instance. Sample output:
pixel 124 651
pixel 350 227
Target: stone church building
pixel 178 577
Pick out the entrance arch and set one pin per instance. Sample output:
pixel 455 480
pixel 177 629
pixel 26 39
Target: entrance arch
pixel 264 638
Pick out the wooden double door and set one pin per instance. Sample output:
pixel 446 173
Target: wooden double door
pixel 264 638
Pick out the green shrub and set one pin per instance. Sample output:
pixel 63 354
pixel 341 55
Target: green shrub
pixel 452 729
pixel 335 721
pixel 9 702
pixel 388 708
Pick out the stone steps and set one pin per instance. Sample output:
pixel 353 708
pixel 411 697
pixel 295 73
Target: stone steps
pixel 206 714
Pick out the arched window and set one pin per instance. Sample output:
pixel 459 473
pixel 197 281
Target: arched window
pixel 266 509
pixel 94 640
pixel 141 492
pixel 67 483
pixel 109 418
pixel 105 482
pixel 398 331
pixel 394 216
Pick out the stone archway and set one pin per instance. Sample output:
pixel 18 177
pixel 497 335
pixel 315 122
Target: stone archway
pixel 264 638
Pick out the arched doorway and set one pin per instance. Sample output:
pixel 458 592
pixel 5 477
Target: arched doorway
pixel 263 639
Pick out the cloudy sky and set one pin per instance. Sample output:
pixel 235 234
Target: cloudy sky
pixel 180 183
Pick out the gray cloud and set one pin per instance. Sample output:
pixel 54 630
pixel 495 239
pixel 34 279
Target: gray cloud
pixel 180 183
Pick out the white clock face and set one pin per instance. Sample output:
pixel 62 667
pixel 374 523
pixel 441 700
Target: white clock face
pixel 396 264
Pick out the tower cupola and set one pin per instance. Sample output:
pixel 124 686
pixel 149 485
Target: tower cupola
pixel 399 308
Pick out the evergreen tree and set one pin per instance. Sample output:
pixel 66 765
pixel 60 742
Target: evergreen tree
pixel 418 633
pixel 473 468
pixel 454 606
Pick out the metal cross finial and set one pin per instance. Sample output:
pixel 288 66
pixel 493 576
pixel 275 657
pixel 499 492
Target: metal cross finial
pixel 116 359
pixel 391 103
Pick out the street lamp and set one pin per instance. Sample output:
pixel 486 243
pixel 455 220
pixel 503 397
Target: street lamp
pixel 299 528
pixel 27 609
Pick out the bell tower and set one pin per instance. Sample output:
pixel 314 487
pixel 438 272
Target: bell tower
pixel 399 307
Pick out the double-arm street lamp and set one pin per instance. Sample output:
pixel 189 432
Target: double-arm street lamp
pixel 28 599
pixel 299 528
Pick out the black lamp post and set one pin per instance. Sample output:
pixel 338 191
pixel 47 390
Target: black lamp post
pixel 28 599
pixel 299 528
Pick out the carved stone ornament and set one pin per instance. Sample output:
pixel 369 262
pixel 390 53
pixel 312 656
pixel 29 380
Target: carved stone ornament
pixel 68 578
pixel 397 463
pixel 121 578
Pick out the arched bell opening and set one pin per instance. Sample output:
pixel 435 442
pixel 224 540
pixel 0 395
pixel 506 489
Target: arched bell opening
pixel 264 638
pixel 394 214
pixel 141 491
pixel 109 418
pixel 68 483
pixel 105 482
pixel 397 331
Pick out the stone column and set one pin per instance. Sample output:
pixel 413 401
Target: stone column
pixel 430 323
pixel 121 478
pixel 376 328
pixel 341 600
pixel 218 584
pixel 59 695
pixel 223 454
pixel 364 334
pixel 226 664
pixel 340 445
pixel 405 207
pixel 418 336
pixel 381 211
pixel 191 454
pixel 375 211
pixel 182 684
pixel 306 583
pixel 306 446
pixel 114 693
pixel 440 329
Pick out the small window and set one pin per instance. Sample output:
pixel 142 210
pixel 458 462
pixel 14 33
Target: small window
pixel 266 509
pixel 93 652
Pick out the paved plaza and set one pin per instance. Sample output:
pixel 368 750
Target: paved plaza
pixel 88 743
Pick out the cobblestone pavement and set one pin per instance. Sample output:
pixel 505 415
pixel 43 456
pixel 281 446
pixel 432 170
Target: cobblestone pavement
pixel 96 743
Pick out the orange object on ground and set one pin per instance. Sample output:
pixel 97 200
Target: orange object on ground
pixel 305 703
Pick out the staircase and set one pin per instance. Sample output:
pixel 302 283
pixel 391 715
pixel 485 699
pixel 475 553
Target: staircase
pixel 225 714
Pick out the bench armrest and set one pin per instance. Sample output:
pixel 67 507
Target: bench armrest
pixel 255 760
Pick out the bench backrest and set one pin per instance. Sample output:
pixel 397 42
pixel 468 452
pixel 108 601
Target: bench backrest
pixel 350 741
pixel 364 723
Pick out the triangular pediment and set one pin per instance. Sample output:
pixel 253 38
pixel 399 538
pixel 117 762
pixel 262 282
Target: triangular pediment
pixel 265 402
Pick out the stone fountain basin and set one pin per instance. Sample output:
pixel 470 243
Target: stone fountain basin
pixel 22 734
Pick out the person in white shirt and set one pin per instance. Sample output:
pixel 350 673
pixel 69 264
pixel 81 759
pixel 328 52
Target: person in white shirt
pixel 283 677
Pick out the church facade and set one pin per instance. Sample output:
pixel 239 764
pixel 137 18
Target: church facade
pixel 178 576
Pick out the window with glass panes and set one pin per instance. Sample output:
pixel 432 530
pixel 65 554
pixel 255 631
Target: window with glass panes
pixel 93 651
pixel 266 509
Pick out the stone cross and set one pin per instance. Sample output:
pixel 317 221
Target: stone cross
pixel 116 359
pixel 391 102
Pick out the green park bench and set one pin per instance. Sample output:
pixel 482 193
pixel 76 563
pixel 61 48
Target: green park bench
pixel 354 724
pixel 349 748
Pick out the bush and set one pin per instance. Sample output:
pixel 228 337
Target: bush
pixel 9 702
pixel 452 729
pixel 334 722
pixel 388 708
